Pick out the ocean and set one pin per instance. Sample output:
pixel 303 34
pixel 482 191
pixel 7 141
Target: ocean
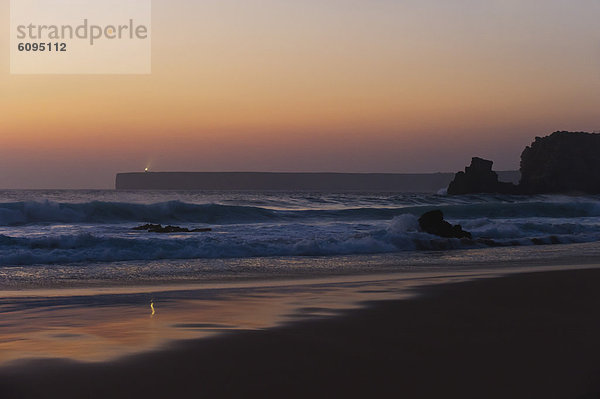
pixel 79 237
pixel 78 283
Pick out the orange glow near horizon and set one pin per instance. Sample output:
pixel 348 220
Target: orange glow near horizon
pixel 334 85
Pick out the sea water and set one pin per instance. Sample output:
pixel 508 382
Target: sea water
pixel 68 236
pixel 77 282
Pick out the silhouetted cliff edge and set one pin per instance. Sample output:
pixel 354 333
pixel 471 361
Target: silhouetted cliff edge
pixel 563 162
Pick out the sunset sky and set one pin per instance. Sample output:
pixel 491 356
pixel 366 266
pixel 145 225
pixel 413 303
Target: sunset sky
pixel 311 85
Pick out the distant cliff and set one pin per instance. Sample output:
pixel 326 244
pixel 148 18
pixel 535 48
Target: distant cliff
pixel 233 181
pixel 562 162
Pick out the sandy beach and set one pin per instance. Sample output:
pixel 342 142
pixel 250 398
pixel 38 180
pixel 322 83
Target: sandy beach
pixel 530 335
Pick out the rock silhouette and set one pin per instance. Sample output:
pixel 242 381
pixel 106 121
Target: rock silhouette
pixel 433 223
pixel 563 162
pixel 479 178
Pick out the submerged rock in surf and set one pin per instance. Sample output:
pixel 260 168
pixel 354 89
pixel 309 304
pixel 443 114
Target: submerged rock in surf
pixel 157 228
pixel 433 223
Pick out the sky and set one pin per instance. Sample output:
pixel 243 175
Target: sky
pixel 314 85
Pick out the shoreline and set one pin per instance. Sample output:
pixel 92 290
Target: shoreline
pixel 151 275
pixel 522 335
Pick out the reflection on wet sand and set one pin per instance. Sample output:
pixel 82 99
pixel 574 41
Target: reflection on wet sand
pixel 97 326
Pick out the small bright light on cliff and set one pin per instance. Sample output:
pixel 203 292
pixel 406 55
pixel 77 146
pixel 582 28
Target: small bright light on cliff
pixel 146 170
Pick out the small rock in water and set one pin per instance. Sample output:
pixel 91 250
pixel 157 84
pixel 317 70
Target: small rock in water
pixel 148 227
pixel 433 223
pixel 157 228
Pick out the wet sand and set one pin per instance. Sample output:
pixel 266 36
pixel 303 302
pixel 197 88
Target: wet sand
pixel 533 335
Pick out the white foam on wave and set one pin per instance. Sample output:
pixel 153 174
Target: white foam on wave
pixel 503 207
pixel 402 233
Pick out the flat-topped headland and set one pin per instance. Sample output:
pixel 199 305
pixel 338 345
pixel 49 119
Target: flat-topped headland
pixel 264 181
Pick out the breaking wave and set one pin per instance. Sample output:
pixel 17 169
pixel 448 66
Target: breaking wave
pixel 293 239
pixel 47 212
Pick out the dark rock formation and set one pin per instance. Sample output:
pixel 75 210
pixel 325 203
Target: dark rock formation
pixel 479 178
pixel 147 227
pixel 157 228
pixel 563 162
pixel 433 223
